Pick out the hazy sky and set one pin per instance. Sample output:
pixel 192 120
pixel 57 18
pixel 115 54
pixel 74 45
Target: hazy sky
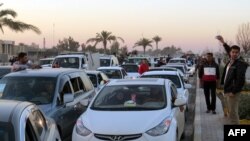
pixel 189 24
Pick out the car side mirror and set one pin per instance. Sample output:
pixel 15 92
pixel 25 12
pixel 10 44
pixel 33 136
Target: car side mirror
pixel 85 102
pixel 84 66
pixel 68 97
pixel 180 101
pixel 188 86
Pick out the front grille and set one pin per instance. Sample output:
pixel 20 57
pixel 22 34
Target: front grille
pixel 117 137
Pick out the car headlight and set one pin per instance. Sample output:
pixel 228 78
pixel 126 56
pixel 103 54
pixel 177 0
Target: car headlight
pixel 160 129
pixel 81 129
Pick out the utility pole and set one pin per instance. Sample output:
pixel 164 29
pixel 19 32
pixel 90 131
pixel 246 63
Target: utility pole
pixel 53 34
pixel 44 43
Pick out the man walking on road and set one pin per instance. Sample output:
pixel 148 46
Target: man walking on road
pixel 209 73
pixel 233 79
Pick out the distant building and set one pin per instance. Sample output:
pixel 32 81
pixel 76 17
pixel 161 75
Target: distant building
pixel 6 50
pixel 7 47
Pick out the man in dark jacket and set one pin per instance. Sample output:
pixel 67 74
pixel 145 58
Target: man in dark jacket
pixel 210 74
pixel 233 79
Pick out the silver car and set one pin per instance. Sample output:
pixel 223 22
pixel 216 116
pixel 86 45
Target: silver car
pixel 23 121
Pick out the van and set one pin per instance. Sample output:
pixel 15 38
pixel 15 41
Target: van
pixel 46 62
pixel 78 61
pixel 108 61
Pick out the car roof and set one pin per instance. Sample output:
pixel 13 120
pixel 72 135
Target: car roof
pixel 45 72
pixel 70 55
pixel 92 72
pixel 7 108
pixel 178 59
pixel 129 64
pixel 108 68
pixel 47 59
pixel 5 67
pixel 140 81
pixel 175 64
pixel 160 73
pixel 162 68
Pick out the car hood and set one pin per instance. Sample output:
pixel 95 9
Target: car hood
pixel 122 122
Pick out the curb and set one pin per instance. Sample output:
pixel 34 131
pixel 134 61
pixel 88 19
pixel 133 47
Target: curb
pixel 197 118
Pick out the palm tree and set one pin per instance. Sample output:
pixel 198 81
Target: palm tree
pixel 144 42
pixel 6 19
pixel 104 37
pixel 156 39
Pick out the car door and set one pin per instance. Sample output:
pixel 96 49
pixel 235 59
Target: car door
pixel 64 113
pixel 178 114
pixel 36 127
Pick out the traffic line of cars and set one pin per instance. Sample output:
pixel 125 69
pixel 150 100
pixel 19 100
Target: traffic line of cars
pixel 99 105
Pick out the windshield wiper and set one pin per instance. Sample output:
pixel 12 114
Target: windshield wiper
pixel 126 108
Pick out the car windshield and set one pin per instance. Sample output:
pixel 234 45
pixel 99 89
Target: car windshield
pixel 44 62
pixel 130 97
pixel 104 62
pixel 111 73
pixel 130 68
pixel 67 62
pixel 93 79
pixel 6 132
pixel 39 90
pixel 174 78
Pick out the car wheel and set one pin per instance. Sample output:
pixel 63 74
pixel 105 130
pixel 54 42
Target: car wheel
pixel 176 138
pixel 183 135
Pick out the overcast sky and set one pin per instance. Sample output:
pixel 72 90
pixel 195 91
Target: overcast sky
pixel 189 24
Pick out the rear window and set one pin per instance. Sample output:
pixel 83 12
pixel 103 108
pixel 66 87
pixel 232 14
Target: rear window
pixel 67 62
pixel 174 78
pixel 112 74
pixel 130 68
pixel 6 132
pixel 104 62
pixel 44 62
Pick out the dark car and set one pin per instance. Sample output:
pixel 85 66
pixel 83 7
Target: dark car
pixel 58 92
pixel 4 70
pixel 23 121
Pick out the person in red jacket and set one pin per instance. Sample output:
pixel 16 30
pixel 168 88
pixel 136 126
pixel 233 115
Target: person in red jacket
pixel 210 74
pixel 143 67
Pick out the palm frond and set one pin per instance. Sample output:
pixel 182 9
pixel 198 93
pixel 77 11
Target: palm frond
pixel 18 26
pixel 120 38
pixel 7 12
pixel 90 40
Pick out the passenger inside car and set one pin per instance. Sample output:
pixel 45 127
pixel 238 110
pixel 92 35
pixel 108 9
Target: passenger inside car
pixel 42 91
pixel 119 97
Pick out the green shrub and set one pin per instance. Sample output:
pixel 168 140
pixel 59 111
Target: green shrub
pixel 244 106
pixel 246 87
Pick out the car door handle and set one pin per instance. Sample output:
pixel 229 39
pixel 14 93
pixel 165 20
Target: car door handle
pixel 75 107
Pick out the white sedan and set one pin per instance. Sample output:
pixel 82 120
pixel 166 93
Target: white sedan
pixel 113 72
pixel 175 77
pixel 133 109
